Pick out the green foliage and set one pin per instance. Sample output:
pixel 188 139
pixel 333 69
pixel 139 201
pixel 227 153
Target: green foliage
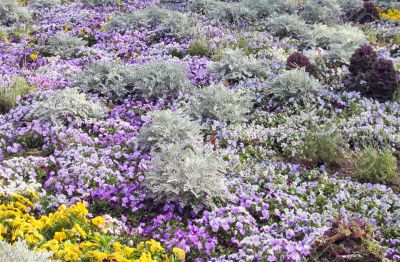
pixel 11 12
pixel 167 127
pixel 106 77
pixel 9 94
pixel 66 103
pixel 190 175
pixel 154 79
pixel 64 45
pixel 3 34
pixel 376 166
pixel 323 146
pixel 199 48
pixel 294 83
pixel 219 103
pixel 235 65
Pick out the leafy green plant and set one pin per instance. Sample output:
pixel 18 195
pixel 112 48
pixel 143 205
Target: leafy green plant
pixel 376 166
pixel 323 146
pixel 9 94
pixel 199 48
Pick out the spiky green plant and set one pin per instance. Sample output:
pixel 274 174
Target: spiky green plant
pixel 9 94
pixel 64 45
pixel 375 166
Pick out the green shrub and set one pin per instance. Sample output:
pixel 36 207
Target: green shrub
pixel 323 146
pixel 376 166
pixel 10 93
pixel 199 48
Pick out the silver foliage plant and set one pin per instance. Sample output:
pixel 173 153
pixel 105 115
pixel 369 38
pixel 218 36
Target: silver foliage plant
pixel 64 45
pixel 340 40
pixel 217 102
pixel 11 12
pixel 100 2
pixel 21 253
pixel 321 11
pixel 235 65
pixel 172 23
pixel 106 78
pixel 295 83
pixel 265 8
pixel 160 78
pixel 167 126
pixel 67 103
pixel 287 25
pixel 43 3
pixel 189 175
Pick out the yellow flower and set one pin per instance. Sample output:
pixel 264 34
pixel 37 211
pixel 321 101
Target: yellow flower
pixel 80 231
pixel 70 252
pixel 52 245
pixel 155 246
pixel 99 256
pixel 117 246
pixel 128 250
pixel 60 236
pixel 98 221
pixel 146 257
pixel 33 57
pixel 179 253
pixel 88 245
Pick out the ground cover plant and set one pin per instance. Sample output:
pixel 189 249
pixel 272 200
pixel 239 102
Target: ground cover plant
pixel 202 130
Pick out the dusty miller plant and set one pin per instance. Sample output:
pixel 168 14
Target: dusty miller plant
pixel 235 65
pixel 43 3
pixel 105 78
pixel 21 253
pixel 294 83
pixel 64 45
pixel 167 127
pixel 100 2
pixel 217 102
pixel 172 23
pixel 67 103
pixel 288 25
pixel 265 8
pixel 321 11
pixel 154 79
pixel 187 175
pixel 11 12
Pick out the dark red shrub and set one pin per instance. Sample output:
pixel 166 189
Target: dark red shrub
pixel 297 60
pixel 362 59
pixel 368 14
pixel 382 80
